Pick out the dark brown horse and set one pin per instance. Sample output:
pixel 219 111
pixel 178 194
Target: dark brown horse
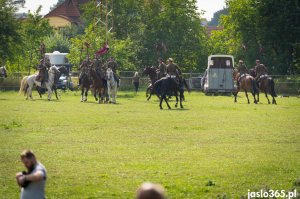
pixel 151 72
pixel 246 83
pixel 266 85
pixel 97 85
pixel 85 86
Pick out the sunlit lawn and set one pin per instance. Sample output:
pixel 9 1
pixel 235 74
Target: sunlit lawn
pixel 107 151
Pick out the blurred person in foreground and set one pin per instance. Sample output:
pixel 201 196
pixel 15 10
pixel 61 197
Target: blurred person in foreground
pixel 150 191
pixel 32 181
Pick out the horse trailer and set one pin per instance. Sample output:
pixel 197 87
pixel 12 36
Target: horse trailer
pixel 218 75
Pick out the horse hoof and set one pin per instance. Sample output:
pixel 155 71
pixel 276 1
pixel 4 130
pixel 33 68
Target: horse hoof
pixel 48 99
pixel 176 105
pixel 161 108
pixel 181 106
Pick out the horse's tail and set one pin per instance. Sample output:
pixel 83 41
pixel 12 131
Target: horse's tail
pixel 24 85
pixel 272 87
pixel 254 86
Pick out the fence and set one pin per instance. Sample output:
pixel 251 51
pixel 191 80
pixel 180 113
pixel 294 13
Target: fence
pixel 284 84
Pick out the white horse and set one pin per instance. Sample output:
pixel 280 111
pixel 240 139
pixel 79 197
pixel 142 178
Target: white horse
pixel 3 72
pixel 111 86
pixel 28 82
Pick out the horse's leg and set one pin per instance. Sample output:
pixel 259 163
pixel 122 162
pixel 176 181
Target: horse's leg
pixel 266 94
pixel 273 101
pixel 95 94
pixel 167 102
pixel 247 97
pixel 176 96
pixel 161 100
pixel 253 94
pixel 86 94
pixel 38 90
pixel 55 91
pixel 181 98
pixel 257 95
pixel 82 90
pixel 49 91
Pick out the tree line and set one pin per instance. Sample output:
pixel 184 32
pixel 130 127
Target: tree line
pixel 146 30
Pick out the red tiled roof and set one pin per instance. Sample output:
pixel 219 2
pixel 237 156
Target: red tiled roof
pixel 69 10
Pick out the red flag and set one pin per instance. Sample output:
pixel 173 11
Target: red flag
pixel 103 50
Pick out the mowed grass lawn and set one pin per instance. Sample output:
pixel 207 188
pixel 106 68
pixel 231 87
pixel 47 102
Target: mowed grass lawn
pixel 107 151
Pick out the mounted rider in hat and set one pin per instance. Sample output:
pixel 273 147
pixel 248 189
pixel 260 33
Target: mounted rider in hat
pixel 43 68
pixel 243 70
pixel 161 71
pixel 84 67
pixel 260 71
pixel 97 64
pixel 173 69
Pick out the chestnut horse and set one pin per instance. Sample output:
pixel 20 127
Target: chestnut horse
pixel 246 83
pixel 98 86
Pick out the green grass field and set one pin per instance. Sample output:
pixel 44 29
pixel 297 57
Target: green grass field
pixel 107 151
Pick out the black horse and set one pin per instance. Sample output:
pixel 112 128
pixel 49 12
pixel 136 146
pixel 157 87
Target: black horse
pixel 62 70
pixel 168 86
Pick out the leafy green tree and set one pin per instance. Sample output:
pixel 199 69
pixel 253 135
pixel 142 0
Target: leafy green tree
pixel 10 37
pixel 35 29
pixel 57 42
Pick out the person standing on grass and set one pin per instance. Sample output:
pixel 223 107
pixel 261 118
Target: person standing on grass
pixel 136 81
pixel 32 181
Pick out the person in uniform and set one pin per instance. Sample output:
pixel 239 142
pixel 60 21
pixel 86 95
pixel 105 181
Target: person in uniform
pixel 43 72
pixel 242 69
pixel 161 68
pixel 112 64
pixel 260 70
pixel 172 68
pixel 83 70
pixel 97 65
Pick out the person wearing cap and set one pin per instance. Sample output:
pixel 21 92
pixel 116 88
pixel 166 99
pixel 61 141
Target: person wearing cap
pixel 161 68
pixel 172 68
pixel 260 70
pixel 83 70
pixel 242 68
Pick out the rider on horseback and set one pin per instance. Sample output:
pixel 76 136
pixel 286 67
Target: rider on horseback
pixel 174 72
pixel 261 71
pixel 161 71
pixel 97 65
pixel 243 70
pixel 84 67
pixel 43 68
pixel 113 65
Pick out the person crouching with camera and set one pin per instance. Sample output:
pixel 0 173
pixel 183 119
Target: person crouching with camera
pixel 32 181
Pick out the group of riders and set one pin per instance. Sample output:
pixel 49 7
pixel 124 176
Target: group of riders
pixel 259 71
pixel 100 66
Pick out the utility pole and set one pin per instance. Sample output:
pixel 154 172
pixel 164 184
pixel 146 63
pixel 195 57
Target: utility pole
pixel 107 21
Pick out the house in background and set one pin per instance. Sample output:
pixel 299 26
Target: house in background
pixel 66 14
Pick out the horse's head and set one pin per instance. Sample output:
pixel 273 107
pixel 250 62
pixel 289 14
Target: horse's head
pixel 145 71
pixel 109 74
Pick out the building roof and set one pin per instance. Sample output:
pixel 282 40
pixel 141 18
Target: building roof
pixel 209 29
pixel 68 10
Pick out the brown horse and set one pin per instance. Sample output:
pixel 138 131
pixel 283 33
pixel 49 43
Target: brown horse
pixel 97 85
pixel 84 86
pixel 246 83
pixel 266 85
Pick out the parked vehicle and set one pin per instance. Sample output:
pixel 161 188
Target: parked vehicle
pixel 218 76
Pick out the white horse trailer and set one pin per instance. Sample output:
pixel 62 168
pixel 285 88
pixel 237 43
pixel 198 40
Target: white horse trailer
pixel 218 75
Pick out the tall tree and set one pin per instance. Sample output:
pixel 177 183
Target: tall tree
pixel 10 37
